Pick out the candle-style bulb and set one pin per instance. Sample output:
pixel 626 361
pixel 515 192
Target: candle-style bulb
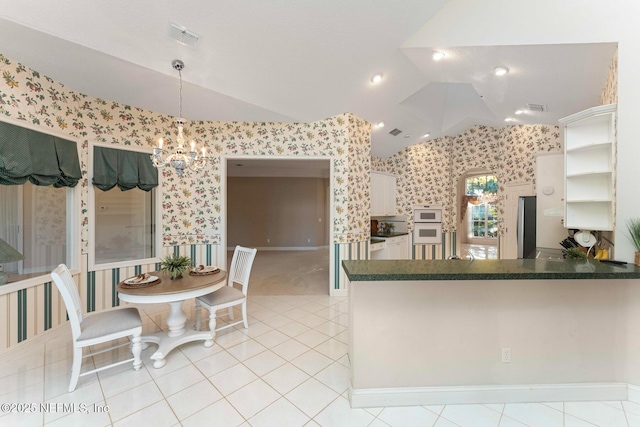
pixel 193 146
pixel 160 144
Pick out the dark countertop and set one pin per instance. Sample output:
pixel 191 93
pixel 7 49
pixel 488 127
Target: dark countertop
pixel 390 235
pixel 480 269
pixel 376 240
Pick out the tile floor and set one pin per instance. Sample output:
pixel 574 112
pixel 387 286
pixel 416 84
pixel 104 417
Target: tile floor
pixel 290 368
pixel 479 251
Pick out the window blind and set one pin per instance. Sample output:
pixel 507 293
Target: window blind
pixel 38 157
pixel 126 169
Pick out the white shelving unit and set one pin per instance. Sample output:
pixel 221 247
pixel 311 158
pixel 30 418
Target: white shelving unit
pixel 589 148
pixel 383 194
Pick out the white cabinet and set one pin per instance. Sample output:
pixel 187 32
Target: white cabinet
pixel 377 251
pixel 397 247
pixel 589 147
pixel 383 194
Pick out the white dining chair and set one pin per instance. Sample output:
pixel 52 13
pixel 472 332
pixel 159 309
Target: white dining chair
pixel 229 296
pixel 97 328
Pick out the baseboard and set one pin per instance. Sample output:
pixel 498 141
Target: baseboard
pixel 286 248
pixel 634 393
pixel 339 293
pixel 418 396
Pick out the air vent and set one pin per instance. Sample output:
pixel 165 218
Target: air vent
pixel 182 35
pixel 537 107
pixel 395 132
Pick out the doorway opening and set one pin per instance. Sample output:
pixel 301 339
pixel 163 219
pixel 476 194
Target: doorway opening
pixel 478 213
pixel 282 207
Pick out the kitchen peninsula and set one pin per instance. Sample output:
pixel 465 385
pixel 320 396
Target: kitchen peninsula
pixel 483 331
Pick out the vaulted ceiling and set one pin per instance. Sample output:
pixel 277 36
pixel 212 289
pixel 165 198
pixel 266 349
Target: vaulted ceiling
pixel 286 60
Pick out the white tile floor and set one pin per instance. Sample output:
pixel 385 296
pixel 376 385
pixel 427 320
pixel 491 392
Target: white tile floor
pixel 479 251
pixel 290 368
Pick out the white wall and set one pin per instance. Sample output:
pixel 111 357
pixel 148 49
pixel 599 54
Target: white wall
pixel 450 333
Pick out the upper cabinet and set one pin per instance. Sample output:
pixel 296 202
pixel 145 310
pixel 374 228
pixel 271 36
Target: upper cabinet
pixel 589 148
pixel 383 194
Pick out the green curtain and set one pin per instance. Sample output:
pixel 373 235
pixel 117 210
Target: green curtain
pixel 38 157
pixel 126 169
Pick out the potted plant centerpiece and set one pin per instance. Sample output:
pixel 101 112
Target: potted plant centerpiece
pixel 176 265
pixel 633 227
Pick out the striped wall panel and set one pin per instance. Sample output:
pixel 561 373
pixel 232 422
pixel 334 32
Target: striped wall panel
pixel 347 251
pixel 30 312
pixel 444 250
pixel 200 254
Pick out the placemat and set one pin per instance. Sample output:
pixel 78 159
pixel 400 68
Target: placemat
pixel 137 286
pixel 193 273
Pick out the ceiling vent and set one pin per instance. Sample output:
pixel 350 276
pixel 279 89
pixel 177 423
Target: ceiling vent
pixel 182 35
pixel 395 132
pixel 537 107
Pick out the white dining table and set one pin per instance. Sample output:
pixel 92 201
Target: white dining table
pixel 174 293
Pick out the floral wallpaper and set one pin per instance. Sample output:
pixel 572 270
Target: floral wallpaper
pixel 192 205
pixel 428 172
pixel 359 177
pixel 423 173
pixel 609 93
pixel 378 164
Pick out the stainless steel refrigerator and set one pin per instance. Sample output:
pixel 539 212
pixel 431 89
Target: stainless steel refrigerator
pixel 527 227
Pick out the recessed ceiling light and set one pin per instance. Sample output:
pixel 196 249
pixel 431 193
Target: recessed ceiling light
pixel 501 71
pixel 509 119
pixel 380 124
pixel 437 55
pixel 377 78
pixel 519 111
pixel 426 135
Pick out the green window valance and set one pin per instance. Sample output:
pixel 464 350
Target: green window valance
pixel 126 169
pixel 38 157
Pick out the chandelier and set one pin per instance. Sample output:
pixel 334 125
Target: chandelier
pixel 488 198
pixel 180 159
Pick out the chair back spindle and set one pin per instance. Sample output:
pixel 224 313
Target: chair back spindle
pixel 240 269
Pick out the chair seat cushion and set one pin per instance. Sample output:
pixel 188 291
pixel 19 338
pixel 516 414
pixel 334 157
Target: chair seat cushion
pixel 223 295
pixel 109 322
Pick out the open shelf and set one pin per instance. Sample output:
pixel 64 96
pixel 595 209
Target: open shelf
pixel 594 146
pixel 589 143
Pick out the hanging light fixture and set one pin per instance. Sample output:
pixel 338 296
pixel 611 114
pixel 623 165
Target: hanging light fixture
pixel 488 198
pixel 180 159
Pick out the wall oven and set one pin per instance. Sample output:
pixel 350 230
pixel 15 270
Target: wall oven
pixel 427 225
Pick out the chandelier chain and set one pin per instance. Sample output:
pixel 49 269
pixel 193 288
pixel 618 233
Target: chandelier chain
pixel 180 75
